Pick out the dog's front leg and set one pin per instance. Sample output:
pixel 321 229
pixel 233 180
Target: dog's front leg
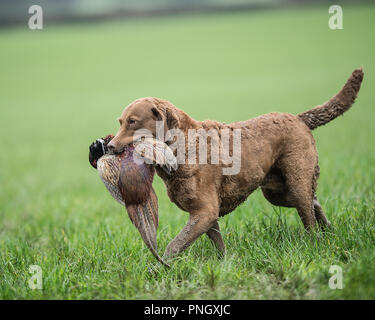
pixel 199 223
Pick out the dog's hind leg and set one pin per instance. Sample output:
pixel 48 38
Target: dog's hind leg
pixel 298 181
pixel 319 215
pixel 214 234
pixel 298 170
pixel 318 211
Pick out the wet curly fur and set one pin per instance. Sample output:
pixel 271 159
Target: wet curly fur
pixel 278 155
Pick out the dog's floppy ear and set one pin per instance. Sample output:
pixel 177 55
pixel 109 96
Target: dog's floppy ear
pixel 172 119
pixel 156 113
pixel 161 111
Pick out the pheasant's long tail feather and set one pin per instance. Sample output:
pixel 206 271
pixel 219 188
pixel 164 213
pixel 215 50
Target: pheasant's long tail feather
pixel 145 218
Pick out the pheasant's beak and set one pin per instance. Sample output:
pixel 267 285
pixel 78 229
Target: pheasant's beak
pixel 94 164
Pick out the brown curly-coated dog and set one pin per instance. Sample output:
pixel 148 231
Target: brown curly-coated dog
pixel 278 154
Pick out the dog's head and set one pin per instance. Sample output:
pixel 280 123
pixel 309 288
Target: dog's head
pixel 141 116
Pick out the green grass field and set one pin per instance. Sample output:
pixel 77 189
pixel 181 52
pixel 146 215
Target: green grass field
pixel 63 87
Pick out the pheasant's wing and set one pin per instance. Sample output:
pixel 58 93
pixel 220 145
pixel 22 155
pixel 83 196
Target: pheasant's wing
pixel 145 218
pixel 156 152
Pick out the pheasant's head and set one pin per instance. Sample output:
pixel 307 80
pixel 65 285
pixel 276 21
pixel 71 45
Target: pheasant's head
pixel 98 148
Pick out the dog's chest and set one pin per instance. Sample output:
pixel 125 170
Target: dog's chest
pixel 183 194
pixel 181 189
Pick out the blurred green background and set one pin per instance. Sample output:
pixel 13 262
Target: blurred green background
pixel 64 86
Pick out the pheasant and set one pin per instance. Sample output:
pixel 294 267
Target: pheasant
pixel 128 177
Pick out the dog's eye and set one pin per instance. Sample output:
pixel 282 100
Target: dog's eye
pixel 131 121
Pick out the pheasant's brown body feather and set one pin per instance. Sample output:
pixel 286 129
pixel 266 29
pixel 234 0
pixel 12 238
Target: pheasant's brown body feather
pixel 135 181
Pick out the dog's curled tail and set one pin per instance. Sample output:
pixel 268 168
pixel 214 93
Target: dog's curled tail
pixel 337 105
